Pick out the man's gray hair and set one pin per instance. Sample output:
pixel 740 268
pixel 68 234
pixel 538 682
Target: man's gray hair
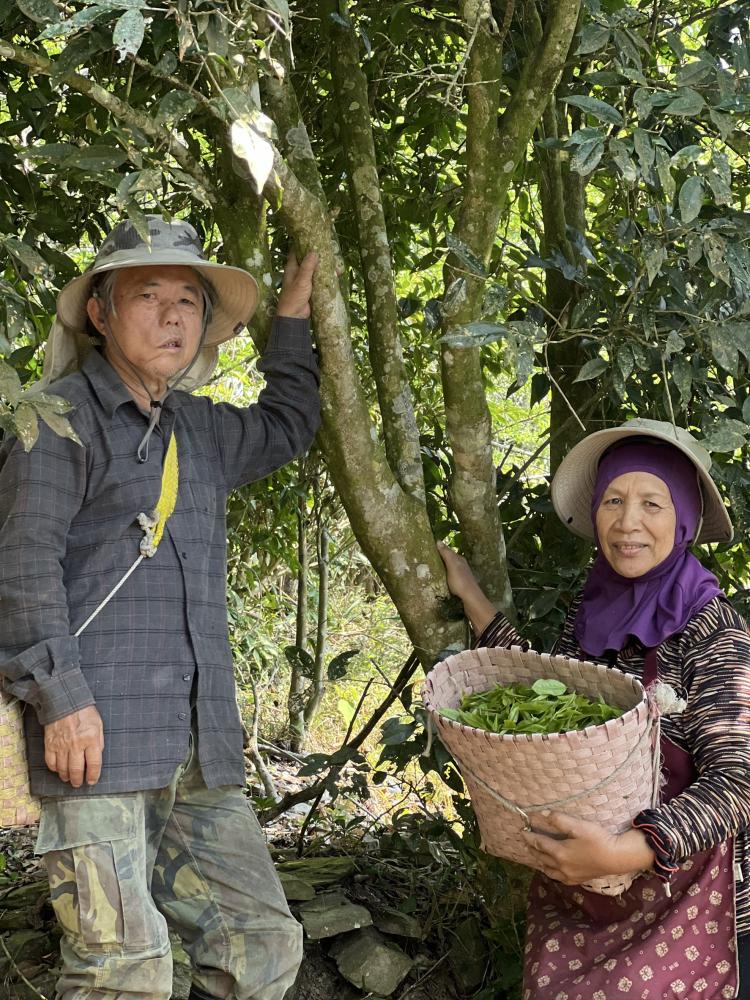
pixel 103 289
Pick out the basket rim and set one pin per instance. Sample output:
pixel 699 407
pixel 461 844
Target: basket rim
pixel 587 732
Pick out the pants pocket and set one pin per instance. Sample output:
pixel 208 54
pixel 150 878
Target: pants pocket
pixel 95 853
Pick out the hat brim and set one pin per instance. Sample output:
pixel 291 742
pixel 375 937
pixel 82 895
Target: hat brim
pixel 573 484
pixel 236 290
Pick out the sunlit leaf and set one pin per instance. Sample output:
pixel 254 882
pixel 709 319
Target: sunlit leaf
pixel 726 436
pixel 690 199
pixel 41 11
pixel 599 109
pixel 592 369
pixel 10 384
pixel 255 150
pixel 464 253
pixel 127 37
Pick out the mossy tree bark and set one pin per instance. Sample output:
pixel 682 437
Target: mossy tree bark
pixel 494 150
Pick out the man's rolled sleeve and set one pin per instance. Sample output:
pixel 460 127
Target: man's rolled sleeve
pixel 256 440
pixel 48 676
pixel 40 493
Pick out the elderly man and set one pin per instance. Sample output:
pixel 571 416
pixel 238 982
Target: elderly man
pixel 133 733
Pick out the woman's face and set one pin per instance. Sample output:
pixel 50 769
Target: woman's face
pixel 636 523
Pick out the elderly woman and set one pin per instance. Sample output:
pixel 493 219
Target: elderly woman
pixel 643 493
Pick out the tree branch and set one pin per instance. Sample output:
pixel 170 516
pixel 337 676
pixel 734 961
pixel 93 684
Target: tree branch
pixel 313 791
pixel 384 341
pixel 493 153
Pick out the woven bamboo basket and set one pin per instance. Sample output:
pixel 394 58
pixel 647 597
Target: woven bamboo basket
pixel 18 807
pixel 604 773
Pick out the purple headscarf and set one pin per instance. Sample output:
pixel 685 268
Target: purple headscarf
pixel 659 603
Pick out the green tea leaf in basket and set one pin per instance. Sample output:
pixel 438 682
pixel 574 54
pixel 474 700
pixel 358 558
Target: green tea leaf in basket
pixel 545 707
pixel 547 685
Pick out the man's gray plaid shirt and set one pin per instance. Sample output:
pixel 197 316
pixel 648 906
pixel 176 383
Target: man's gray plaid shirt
pixel 68 532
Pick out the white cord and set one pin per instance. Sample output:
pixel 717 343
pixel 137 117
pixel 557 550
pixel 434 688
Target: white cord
pixel 109 597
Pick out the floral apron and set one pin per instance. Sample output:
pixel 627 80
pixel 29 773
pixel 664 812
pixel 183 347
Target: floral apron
pixel 643 944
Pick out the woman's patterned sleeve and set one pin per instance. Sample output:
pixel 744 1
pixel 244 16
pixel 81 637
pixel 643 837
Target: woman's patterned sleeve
pixel 501 634
pixel 717 728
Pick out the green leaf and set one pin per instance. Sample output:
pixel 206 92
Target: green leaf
pixel 300 660
pixel 27 255
pixel 723 123
pixel 61 29
pixel 644 149
pixel 687 155
pixel 688 103
pixel 175 106
pixel 738 333
pixel 592 369
pixel 96 159
pixel 643 103
pixel 587 156
pixel 625 361
pixel 599 109
pixel 237 102
pixel 675 344
pixel 455 296
pixel 655 258
pixel 593 37
pixel 682 376
pixel 664 174
pixel 41 11
pixel 690 199
pixel 346 710
pixel 474 334
pixel 727 436
pixel 464 253
pixel 339 664
pixel 127 37
pixel 715 249
pixel 548 686
pixel 619 152
pixel 394 731
pixel 724 349
pixel 57 423
pixel 25 425
pixel 10 384
pixel 721 185
pixel 495 299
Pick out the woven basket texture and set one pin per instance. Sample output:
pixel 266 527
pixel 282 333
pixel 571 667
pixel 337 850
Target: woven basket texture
pixel 604 773
pixel 18 807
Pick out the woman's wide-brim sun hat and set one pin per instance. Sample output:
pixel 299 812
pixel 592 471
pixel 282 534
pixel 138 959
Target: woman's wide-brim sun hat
pixel 171 243
pixel 574 481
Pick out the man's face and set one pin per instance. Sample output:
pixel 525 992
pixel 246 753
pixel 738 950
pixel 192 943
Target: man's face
pixel 156 321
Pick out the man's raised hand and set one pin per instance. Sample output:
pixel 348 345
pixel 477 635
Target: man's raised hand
pixel 296 287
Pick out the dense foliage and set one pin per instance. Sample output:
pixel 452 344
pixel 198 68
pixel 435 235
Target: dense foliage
pixel 534 212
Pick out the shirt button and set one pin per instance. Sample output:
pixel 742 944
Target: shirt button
pixel 186 677
pixel 182 716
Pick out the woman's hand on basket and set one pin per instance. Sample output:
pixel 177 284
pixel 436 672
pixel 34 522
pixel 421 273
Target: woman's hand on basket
pixel 573 851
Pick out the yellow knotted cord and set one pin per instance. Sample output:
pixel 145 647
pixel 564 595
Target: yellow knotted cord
pixel 153 525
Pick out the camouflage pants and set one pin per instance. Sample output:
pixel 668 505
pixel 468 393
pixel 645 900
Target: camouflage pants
pixel 125 868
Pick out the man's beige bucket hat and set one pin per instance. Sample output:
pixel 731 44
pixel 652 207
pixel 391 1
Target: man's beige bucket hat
pixel 573 483
pixel 174 242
